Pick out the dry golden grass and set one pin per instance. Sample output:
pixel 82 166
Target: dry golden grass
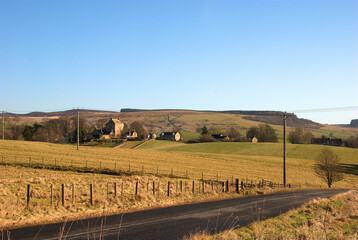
pixel 13 190
pixel 212 165
pixel 335 218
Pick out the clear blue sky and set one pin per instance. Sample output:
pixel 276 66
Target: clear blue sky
pixel 187 54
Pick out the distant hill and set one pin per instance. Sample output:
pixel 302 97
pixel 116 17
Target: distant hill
pixel 270 117
pixel 192 120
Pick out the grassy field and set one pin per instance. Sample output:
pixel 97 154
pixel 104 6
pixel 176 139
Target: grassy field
pixel 130 144
pixel 13 188
pixel 299 151
pixel 222 160
pixel 335 218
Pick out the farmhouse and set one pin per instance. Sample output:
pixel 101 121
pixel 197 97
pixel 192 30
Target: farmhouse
pixel 131 135
pixel 113 128
pixel 329 141
pixel 170 136
pixel 152 136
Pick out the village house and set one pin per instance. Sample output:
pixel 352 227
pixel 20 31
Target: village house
pixel 131 135
pixel 152 136
pixel 170 136
pixel 113 129
pixel 329 141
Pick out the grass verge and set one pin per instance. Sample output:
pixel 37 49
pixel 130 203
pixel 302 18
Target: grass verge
pixel 14 212
pixel 335 218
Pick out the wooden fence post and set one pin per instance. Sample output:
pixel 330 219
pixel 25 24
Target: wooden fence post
pixel 122 192
pixel 136 189
pixel 115 189
pixel 193 190
pixel 181 186
pixel 91 194
pixel 28 196
pixel 51 195
pixel 73 194
pixel 203 186
pixel 168 188
pixel 153 188
pixel 223 186
pixel 237 185
pixel 147 187
pixel 242 185
pixel 63 194
pixel 227 185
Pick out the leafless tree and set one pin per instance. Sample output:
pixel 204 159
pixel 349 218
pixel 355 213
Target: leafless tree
pixel 327 167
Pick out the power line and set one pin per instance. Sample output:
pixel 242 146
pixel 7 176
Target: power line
pixel 336 109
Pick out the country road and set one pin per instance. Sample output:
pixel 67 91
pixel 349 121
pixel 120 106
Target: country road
pixel 178 221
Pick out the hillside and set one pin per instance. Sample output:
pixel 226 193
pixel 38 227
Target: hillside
pixel 222 160
pixel 191 121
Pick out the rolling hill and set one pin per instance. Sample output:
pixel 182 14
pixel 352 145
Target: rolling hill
pixel 190 121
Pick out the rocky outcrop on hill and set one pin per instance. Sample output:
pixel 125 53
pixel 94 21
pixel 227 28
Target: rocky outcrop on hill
pixel 354 123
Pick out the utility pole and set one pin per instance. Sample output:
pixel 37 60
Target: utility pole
pixel 3 125
pixel 284 118
pixel 78 127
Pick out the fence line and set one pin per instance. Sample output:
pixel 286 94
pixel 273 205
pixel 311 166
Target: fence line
pixel 117 168
pixel 136 188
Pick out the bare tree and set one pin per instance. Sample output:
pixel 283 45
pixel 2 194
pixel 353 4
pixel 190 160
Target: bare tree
pixel 327 167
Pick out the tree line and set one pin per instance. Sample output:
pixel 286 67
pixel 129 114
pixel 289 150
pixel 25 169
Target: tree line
pixel 263 132
pixel 57 130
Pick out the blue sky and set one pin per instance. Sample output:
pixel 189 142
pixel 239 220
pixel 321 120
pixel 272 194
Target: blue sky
pixel 212 55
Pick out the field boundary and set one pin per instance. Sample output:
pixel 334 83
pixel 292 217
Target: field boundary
pixel 84 167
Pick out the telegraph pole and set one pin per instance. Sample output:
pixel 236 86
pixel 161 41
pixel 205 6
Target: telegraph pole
pixel 78 127
pixel 3 125
pixel 284 118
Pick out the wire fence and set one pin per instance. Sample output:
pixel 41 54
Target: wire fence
pixel 116 167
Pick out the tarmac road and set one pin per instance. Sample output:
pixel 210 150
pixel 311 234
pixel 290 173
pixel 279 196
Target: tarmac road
pixel 175 222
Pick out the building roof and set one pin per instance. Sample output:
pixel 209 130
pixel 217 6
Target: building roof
pixel 116 120
pixel 168 133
